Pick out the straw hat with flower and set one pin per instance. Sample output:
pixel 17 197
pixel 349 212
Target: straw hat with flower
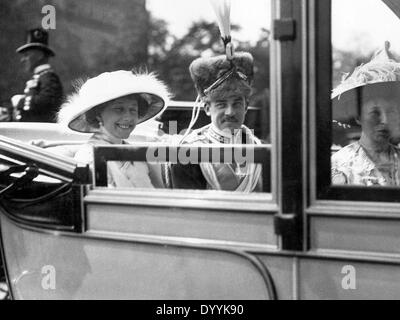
pixel 378 78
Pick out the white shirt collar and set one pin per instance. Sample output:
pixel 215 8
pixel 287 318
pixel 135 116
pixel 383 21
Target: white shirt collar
pixel 41 68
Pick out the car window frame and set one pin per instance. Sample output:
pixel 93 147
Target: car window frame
pixel 321 94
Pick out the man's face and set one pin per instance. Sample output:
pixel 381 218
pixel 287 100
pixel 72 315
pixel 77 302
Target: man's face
pixel 380 120
pixel 227 113
pixel 31 58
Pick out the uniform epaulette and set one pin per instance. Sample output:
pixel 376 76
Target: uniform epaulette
pixel 197 136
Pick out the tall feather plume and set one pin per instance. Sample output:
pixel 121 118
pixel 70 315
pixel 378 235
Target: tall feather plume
pixel 222 9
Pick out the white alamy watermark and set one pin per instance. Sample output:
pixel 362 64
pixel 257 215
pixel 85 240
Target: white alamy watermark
pixel 349 280
pixel 49 20
pixel 190 152
pixel 48 277
pixel 186 154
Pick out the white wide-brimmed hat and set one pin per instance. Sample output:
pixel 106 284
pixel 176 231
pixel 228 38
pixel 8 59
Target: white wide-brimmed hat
pixel 109 86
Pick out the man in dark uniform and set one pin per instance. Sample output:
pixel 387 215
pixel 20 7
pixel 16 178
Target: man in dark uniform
pixel 43 93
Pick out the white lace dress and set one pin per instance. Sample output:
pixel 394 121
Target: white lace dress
pixel 121 174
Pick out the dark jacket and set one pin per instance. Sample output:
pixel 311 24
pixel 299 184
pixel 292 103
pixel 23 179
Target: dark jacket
pixel 42 101
pixel 187 176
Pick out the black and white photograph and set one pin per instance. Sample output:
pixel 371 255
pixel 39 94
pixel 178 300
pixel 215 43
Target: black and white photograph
pixel 191 151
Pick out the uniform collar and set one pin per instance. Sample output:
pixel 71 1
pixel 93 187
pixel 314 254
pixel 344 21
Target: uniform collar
pixel 41 68
pixel 223 136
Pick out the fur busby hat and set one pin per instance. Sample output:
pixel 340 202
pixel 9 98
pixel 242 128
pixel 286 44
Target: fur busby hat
pixel 378 78
pixel 37 39
pixel 152 96
pixel 218 77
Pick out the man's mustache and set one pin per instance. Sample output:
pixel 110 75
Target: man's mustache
pixel 229 119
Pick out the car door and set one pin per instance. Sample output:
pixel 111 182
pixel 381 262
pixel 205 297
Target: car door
pixel 39 191
pixel 63 239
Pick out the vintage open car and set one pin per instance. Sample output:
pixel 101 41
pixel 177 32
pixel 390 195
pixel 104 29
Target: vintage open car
pixel 66 235
pixel 47 217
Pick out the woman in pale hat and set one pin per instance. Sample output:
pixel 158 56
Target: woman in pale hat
pixel 372 94
pixel 110 106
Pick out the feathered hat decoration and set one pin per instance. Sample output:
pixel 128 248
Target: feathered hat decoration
pixel 216 77
pixel 222 9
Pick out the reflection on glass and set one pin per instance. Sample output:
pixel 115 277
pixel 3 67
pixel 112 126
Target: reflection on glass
pixel 366 101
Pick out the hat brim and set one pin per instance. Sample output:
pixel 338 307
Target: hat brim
pixel 155 106
pixel 35 45
pixel 347 105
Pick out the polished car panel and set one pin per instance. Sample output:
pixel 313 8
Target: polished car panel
pixel 95 268
pixel 178 222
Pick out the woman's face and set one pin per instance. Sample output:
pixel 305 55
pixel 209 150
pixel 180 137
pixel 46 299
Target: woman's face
pixel 380 120
pixel 120 117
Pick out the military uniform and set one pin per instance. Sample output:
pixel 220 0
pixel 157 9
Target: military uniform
pixel 43 96
pixel 215 79
pixel 229 177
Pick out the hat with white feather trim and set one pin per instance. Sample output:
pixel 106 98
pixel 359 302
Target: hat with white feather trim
pixel 151 93
pixel 378 78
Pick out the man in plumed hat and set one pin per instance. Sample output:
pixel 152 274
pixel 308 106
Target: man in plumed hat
pixel 43 93
pixel 224 85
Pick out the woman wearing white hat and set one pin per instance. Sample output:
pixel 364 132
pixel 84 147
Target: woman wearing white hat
pixel 372 95
pixel 110 106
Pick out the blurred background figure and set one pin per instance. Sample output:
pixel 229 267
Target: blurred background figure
pixel 43 93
